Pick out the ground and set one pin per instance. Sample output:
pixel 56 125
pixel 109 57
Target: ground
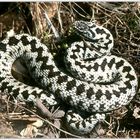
pixel 122 19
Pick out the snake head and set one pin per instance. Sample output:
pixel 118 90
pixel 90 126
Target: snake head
pixel 84 29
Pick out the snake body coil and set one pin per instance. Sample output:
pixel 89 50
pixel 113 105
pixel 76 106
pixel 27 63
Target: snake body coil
pixel 102 85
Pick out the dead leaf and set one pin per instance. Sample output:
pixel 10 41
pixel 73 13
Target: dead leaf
pixel 136 113
pixel 59 114
pixel 31 129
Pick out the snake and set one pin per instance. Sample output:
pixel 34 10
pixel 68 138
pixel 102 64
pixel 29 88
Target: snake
pixel 99 82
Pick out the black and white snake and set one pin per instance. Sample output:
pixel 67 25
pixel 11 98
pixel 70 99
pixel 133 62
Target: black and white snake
pixel 103 82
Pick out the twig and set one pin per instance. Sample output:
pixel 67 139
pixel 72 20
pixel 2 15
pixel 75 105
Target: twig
pixel 59 18
pixel 80 8
pixel 45 120
pixel 99 8
pixel 57 36
pixel 50 25
pixel 8 135
pixel 78 12
pixel 1 29
pixel 117 127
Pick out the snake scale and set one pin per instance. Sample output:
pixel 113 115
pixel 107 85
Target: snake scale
pixel 99 83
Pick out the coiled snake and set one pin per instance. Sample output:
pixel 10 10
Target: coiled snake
pixel 103 82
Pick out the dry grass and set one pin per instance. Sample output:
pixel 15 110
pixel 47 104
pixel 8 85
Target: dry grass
pixel 50 22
